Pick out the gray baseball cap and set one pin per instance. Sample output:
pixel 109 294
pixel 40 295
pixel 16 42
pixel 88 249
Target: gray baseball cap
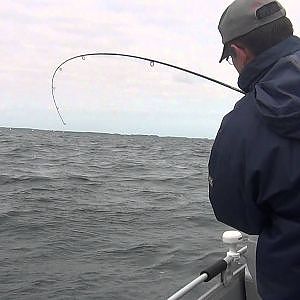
pixel 243 16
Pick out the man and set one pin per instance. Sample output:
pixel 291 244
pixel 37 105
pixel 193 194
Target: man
pixel 255 161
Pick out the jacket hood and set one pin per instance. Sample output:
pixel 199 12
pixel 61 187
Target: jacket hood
pixel 275 79
pixel 278 97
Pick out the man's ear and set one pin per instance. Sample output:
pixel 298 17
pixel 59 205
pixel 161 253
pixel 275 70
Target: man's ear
pixel 243 54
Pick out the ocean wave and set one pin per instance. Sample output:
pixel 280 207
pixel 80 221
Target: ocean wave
pixel 9 179
pixel 142 248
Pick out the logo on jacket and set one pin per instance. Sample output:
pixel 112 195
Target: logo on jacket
pixel 210 181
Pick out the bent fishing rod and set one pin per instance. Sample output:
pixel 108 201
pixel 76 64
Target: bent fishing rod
pixel 152 62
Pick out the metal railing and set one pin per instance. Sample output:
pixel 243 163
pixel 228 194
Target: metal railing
pixel 232 238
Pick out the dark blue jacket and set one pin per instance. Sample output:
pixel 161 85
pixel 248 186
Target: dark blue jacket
pixel 255 167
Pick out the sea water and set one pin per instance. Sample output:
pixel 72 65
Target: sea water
pixel 103 216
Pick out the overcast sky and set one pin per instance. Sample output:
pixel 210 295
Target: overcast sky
pixel 116 95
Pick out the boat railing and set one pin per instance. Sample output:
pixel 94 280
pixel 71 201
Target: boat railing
pixel 222 266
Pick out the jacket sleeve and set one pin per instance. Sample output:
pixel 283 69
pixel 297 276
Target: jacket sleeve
pixel 232 191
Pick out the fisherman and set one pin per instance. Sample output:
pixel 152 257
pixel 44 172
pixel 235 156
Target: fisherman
pixel 254 167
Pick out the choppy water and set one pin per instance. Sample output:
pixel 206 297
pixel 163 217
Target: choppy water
pixel 99 216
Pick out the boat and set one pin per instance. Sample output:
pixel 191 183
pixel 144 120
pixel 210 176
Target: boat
pixel 236 271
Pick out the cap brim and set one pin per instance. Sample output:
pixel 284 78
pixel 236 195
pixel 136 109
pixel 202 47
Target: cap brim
pixel 225 53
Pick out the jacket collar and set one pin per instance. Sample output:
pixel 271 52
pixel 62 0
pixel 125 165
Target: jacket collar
pixel 256 69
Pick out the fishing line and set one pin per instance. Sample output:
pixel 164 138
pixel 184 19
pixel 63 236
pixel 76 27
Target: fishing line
pixel 152 63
